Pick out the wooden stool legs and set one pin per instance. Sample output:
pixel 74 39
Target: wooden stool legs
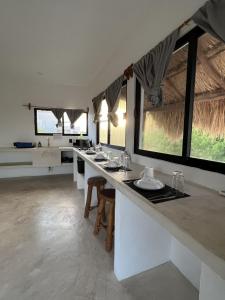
pixel 100 215
pixel 110 227
pixel 106 196
pixel 99 183
pixel 88 202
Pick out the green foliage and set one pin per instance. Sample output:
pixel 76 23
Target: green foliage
pixel 157 141
pixel 207 147
pixel 203 146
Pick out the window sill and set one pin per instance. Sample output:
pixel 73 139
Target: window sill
pixel 207 165
pixel 51 134
pixel 113 146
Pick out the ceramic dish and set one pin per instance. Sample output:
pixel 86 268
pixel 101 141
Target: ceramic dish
pixel 90 152
pixel 151 184
pixel 100 155
pixel 112 165
pixel 100 159
pixel 112 168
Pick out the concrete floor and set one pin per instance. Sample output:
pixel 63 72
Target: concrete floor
pixel 48 251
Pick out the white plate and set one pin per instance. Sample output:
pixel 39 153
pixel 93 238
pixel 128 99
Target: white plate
pixel 100 156
pixel 109 166
pixel 90 152
pixel 152 184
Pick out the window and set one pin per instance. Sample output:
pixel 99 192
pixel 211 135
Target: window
pixel 45 123
pixel 103 123
pixel 80 126
pixel 190 127
pixel 208 127
pixel 106 132
pixel 117 134
pixel 159 130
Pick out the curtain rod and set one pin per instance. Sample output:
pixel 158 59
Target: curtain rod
pixel 128 72
pixel 185 23
pixel 30 106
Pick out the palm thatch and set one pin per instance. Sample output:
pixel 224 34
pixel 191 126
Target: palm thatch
pixel 209 103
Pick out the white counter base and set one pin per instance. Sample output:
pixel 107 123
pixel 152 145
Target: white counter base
pixel 142 243
pixel 32 162
pixel 212 287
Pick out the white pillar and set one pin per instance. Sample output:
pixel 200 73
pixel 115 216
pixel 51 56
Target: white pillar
pixel 74 166
pixel 140 242
pixel 212 286
pixel 188 263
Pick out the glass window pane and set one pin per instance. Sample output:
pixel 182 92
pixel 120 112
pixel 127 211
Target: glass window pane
pixel 46 122
pixel 161 128
pixel 103 124
pixel 103 132
pixel 117 134
pixel 104 111
pixel 80 126
pixel 208 128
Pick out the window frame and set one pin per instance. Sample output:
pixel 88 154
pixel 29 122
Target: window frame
pixel 185 159
pixel 51 134
pixel 109 133
pixel 76 134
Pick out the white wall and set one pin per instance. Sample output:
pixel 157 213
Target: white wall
pixel 13 93
pixel 132 48
pixel 17 122
pixel 167 16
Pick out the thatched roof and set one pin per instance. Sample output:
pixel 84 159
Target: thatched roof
pixel 209 104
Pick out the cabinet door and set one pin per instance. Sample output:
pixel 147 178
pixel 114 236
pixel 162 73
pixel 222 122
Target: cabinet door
pixel 46 158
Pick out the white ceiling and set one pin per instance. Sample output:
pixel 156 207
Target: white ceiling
pixel 65 41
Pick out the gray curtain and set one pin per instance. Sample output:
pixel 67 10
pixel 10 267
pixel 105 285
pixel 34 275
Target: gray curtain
pixel 73 115
pixel 211 18
pixel 97 101
pixel 112 94
pixel 151 68
pixel 58 113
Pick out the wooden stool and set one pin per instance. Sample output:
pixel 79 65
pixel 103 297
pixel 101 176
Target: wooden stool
pixel 98 182
pixel 106 196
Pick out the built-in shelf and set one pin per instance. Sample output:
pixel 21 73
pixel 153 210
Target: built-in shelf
pixel 67 164
pixel 36 157
pixel 16 164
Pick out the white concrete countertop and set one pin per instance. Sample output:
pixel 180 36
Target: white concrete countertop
pixel 66 148
pixel 14 149
pixel 198 221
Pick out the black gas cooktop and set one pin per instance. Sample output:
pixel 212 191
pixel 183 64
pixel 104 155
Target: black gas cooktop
pixel 165 194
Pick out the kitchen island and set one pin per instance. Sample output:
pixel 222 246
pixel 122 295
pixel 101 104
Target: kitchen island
pixel 189 231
